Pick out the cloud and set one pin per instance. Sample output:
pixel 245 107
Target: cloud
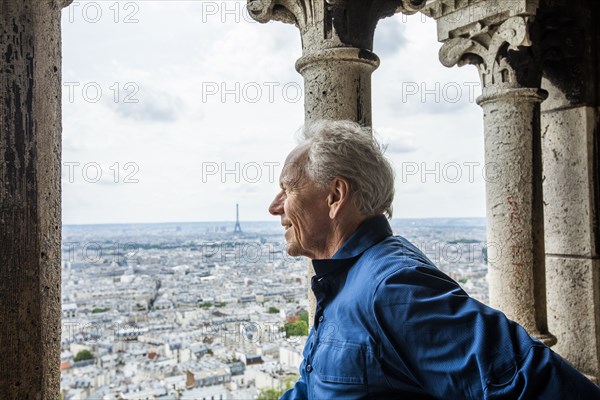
pixel 396 141
pixel 149 105
pixel 390 37
pixel 178 46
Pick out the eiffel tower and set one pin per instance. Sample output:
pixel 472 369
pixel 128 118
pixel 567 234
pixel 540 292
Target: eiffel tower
pixel 238 228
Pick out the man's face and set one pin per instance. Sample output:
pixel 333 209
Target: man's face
pixel 303 208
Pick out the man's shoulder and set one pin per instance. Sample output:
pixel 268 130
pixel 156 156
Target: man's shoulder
pixel 397 263
pixel 395 253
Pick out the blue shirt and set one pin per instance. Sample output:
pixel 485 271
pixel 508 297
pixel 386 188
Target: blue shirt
pixel 390 325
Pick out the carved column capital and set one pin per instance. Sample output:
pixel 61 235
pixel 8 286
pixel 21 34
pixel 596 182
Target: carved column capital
pixel 332 23
pixel 503 55
pixel 288 11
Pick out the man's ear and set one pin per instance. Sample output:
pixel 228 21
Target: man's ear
pixel 339 195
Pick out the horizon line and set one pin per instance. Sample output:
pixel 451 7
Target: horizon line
pixel 241 222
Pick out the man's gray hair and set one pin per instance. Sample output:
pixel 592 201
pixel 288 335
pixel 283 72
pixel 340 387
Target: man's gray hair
pixel 346 149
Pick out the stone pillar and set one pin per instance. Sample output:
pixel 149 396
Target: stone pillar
pixel 337 55
pixel 496 38
pixel 337 82
pixel 30 210
pixel 514 207
pixel 570 145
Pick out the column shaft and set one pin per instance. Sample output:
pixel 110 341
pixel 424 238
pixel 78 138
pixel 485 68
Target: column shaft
pixel 514 206
pixel 30 211
pixel 338 84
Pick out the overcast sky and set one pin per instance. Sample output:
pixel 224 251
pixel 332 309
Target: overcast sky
pixel 178 110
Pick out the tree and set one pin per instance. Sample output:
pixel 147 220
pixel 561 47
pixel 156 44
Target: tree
pixel 273 310
pixel 275 394
pixel 298 328
pixel 270 394
pixel 83 355
pixel 304 316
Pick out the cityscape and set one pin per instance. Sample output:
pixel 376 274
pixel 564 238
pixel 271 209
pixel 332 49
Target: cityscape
pixel 207 310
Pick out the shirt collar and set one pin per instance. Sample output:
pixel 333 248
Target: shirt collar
pixel 369 233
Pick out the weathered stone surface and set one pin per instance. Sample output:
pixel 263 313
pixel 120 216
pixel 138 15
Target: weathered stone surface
pixel 501 53
pixel 509 129
pixel 331 94
pixel 556 98
pixel 569 179
pixel 573 307
pixel 570 126
pixel 569 48
pixel 459 18
pixel 30 212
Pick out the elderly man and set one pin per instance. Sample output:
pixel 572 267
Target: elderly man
pixel 388 324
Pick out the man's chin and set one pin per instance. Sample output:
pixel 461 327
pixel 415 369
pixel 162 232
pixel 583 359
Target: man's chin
pixel 293 250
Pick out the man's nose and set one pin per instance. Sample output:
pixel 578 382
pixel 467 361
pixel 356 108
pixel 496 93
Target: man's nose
pixel 276 207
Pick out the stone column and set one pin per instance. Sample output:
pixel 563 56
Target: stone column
pixel 498 42
pixel 337 55
pixel 30 210
pixel 571 126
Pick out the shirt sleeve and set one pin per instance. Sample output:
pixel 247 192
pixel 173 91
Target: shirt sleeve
pixel 455 347
pixel 298 392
